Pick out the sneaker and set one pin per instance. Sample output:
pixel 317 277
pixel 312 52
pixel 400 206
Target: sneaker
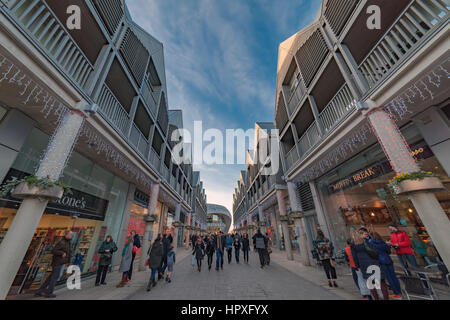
pixel 103 283
pixel 217 269
pixel 330 284
pixel 37 294
pixel 395 296
pixel 335 285
pixel 51 296
pixel 169 281
pixel 97 284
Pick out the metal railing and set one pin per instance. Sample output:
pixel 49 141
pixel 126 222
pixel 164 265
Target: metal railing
pixel 155 160
pixel 296 96
pixel 149 97
pixel 113 111
pixel 139 141
pixel 310 138
pixel 165 172
pixel 339 106
pixel 405 34
pixel 292 157
pixel 37 20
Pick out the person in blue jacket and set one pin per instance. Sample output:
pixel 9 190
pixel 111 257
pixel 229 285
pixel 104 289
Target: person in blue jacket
pixel 229 247
pixel 386 263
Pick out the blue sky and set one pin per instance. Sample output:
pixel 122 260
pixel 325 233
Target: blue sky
pixel 221 62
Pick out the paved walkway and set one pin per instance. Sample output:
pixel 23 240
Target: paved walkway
pixel 282 280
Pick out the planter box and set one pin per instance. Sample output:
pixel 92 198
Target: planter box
pixel 296 215
pixel 149 219
pixel 426 184
pixel 284 218
pixel 177 224
pixel 23 191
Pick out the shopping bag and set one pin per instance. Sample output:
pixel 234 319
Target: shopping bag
pixel 193 261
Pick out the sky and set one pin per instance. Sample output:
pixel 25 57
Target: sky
pixel 221 63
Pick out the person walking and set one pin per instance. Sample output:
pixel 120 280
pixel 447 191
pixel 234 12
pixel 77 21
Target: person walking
pixel 155 255
pixel 245 246
pixel 125 264
pixel 366 255
pixel 268 249
pixel 325 250
pixel 106 251
pixel 401 243
pixel 220 243
pixel 386 264
pixel 61 257
pixel 351 262
pixel 229 246
pixel 199 253
pixel 166 243
pixel 237 248
pixel 171 259
pixel 261 246
pixel 210 249
pixel 136 247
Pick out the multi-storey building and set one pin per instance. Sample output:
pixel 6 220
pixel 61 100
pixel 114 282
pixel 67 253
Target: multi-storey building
pixel 197 223
pixel 218 218
pixel 356 104
pixel 107 82
pixel 260 194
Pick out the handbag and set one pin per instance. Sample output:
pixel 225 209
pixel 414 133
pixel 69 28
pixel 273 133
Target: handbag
pixel 193 261
pixel 372 252
pixel 333 263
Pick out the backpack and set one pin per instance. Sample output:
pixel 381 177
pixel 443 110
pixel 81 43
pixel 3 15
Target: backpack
pixel 260 243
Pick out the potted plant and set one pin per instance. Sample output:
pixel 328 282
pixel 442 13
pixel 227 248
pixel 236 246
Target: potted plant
pixel 35 187
pixel 152 218
pixel 404 183
pixel 295 214
pixel 284 218
pixel 177 224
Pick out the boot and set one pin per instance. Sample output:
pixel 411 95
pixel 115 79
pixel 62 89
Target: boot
pixel 154 283
pixel 149 285
pixel 122 282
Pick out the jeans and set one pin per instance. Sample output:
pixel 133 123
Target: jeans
pixel 355 277
pixel 262 256
pixel 153 274
pixel 219 255
pixel 163 266
pixel 236 254
pixel 101 274
pixel 405 259
pixel 210 259
pixel 245 251
pixel 391 277
pixel 229 253
pixel 362 284
pixel 330 271
pixel 51 280
pixel 199 263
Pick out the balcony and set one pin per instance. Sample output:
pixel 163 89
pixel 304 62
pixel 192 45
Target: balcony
pixel 291 157
pixel 113 111
pixel 155 160
pixel 309 139
pixel 40 23
pixel 150 97
pixel 139 141
pixel 165 172
pixel 406 34
pixel 339 106
pixel 295 96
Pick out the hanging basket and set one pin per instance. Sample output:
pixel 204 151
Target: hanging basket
pixel 150 218
pixel 24 191
pixel 177 224
pixel 284 218
pixel 410 186
pixel 296 214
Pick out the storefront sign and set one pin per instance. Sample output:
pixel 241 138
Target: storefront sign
pixel 419 151
pixel 141 198
pixel 78 204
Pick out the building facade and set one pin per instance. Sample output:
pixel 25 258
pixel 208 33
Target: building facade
pixel 356 106
pixel 99 94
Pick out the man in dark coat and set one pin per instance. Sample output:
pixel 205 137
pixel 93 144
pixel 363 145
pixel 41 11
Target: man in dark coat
pixel 261 246
pixel 136 246
pixel 106 251
pixel 61 257
pixel 220 243
pixel 166 248
pixel 155 253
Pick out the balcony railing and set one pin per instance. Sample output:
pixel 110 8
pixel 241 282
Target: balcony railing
pixel 296 96
pixel 173 182
pixel 41 24
pixel 149 97
pixel 341 104
pixel 309 139
pixel 404 35
pixel 165 172
pixel 113 111
pixel 155 160
pixel 138 140
pixel 292 157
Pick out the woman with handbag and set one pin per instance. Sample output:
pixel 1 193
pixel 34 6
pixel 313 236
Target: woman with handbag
pixel 199 253
pixel 365 256
pixel 155 254
pixel 325 250
pixel 106 251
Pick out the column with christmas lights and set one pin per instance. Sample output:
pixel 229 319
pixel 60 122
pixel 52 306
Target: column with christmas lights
pixel 424 200
pixel 20 233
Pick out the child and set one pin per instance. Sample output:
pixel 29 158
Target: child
pixel 170 263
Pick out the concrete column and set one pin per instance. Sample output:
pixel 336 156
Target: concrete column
pixel 14 130
pixel 299 223
pixel 284 226
pixel 177 219
pixel 21 231
pixel 427 206
pixel 262 218
pixel 124 225
pixel 153 202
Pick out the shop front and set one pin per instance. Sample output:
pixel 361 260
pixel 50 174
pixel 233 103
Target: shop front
pixel 357 194
pixel 93 211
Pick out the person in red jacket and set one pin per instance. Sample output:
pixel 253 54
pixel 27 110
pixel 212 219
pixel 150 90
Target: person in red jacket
pixel 402 245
